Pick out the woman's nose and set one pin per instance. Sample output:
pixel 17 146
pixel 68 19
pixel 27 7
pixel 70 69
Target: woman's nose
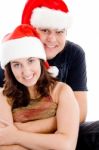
pixel 26 71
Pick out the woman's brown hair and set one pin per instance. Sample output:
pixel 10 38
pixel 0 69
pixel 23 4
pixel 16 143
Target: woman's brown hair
pixel 19 94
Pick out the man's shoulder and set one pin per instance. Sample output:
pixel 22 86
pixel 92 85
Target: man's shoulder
pixel 73 50
pixel 73 47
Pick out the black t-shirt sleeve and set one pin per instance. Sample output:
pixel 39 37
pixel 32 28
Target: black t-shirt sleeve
pixel 1 77
pixel 77 77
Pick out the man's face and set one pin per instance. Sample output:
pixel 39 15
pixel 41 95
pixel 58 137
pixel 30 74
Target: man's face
pixel 53 40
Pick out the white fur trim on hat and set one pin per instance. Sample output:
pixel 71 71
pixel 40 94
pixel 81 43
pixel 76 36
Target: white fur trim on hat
pixel 53 70
pixel 21 48
pixel 50 18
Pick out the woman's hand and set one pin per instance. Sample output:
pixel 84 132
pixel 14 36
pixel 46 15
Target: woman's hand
pixel 8 135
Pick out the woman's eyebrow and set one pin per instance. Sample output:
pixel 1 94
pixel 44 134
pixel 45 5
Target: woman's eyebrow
pixel 14 62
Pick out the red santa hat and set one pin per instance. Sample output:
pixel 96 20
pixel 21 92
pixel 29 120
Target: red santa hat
pixel 52 14
pixel 23 42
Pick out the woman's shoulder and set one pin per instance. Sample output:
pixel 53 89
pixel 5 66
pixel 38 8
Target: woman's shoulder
pixel 1 93
pixel 61 86
pixel 61 89
pixel 3 98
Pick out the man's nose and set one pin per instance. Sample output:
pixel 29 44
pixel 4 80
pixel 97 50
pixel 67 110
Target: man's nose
pixel 52 37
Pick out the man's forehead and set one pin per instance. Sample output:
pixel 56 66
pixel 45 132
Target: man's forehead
pixel 51 29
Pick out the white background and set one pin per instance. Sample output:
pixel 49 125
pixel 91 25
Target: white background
pixel 84 31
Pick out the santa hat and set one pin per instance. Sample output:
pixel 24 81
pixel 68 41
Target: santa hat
pixel 52 14
pixel 23 42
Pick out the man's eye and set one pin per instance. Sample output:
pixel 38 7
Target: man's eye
pixel 31 60
pixel 59 32
pixel 44 30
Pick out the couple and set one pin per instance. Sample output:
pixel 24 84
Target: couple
pixel 51 20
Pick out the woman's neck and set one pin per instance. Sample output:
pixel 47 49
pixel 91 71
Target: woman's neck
pixel 33 93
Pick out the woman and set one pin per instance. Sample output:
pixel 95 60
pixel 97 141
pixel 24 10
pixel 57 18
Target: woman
pixel 30 93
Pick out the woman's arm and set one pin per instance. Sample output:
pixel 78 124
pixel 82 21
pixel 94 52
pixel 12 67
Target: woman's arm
pixel 38 126
pixel 33 126
pixel 6 119
pixel 5 110
pixel 13 147
pixel 67 128
pixel 81 97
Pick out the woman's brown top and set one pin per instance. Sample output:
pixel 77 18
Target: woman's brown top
pixel 41 108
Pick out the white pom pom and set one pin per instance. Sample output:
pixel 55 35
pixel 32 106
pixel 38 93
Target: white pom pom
pixel 53 70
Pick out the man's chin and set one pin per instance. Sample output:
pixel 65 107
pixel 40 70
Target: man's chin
pixel 50 57
pixel 50 54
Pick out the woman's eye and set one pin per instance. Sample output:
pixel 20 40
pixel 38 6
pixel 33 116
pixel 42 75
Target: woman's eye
pixel 16 65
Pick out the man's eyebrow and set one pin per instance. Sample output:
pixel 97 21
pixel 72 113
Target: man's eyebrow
pixel 30 58
pixel 60 29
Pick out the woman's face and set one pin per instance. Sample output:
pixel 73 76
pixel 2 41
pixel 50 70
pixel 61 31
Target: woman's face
pixel 26 70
